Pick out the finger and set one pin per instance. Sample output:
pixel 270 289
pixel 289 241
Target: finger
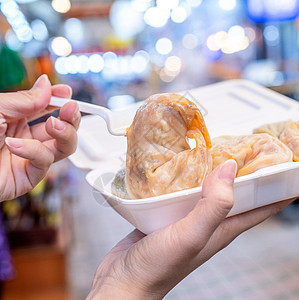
pixel 235 225
pixel 38 155
pixel 39 132
pixel 3 128
pixel 59 90
pixel 62 90
pixel 48 110
pixel 26 103
pixel 70 113
pixel 197 227
pixel 64 138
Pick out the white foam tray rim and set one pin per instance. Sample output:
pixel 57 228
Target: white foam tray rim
pixel 246 179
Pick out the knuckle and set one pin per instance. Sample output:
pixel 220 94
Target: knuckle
pixel 44 158
pixel 222 205
pixel 73 148
pixel 33 103
pixel 77 123
pixel 225 201
pixel 187 243
pixel 30 97
pixel 67 146
pixel 34 147
pixel 71 143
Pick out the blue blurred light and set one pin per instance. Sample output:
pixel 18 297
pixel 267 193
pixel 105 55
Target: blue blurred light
pixel 271 34
pixel 120 102
pixel 12 40
pixel 74 31
pixel 261 11
pixel 25 1
pixel 39 29
pixel 17 20
pixel 125 19
pixel 211 55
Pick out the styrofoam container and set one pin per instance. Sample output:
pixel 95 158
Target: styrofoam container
pixel 230 108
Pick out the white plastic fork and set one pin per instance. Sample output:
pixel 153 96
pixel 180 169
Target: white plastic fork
pixel 117 121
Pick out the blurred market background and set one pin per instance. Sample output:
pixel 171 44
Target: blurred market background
pixel 114 53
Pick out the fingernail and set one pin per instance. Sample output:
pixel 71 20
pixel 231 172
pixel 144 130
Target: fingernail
pixel 77 108
pixel 70 91
pixel 41 81
pixel 13 142
pixel 228 171
pixel 57 124
pixel 76 112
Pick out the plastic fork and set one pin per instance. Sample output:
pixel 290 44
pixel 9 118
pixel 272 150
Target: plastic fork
pixel 117 121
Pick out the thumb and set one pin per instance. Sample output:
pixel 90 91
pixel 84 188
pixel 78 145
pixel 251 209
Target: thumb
pixel 18 105
pixel 197 227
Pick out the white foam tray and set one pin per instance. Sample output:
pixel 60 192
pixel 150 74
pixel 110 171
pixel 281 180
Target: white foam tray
pixel 233 108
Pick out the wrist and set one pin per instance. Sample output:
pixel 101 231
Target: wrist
pixel 117 291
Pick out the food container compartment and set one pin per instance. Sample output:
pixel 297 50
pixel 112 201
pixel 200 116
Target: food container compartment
pixel 231 108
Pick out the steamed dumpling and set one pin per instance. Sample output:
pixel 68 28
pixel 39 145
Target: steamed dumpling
pixel 159 158
pixel 290 137
pixel 274 129
pixel 222 139
pixel 251 152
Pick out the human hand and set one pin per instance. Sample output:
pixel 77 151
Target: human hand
pixel 26 153
pixel 148 267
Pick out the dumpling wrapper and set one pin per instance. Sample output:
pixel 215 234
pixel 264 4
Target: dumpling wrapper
pixel 290 137
pixel 159 158
pixel 251 152
pixel 274 129
pixel 222 139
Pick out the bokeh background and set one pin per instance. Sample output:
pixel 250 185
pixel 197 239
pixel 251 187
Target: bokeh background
pixel 115 53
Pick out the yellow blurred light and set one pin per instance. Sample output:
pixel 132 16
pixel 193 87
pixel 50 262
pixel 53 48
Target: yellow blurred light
pixel 61 6
pixel 61 46
pixel 173 63
pixel 164 76
pixel 244 43
pixel 170 72
pixel 219 38
pixel 228 47
pixel 211 43
pixel 236 31
pixel 234 45
pixel 232 41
